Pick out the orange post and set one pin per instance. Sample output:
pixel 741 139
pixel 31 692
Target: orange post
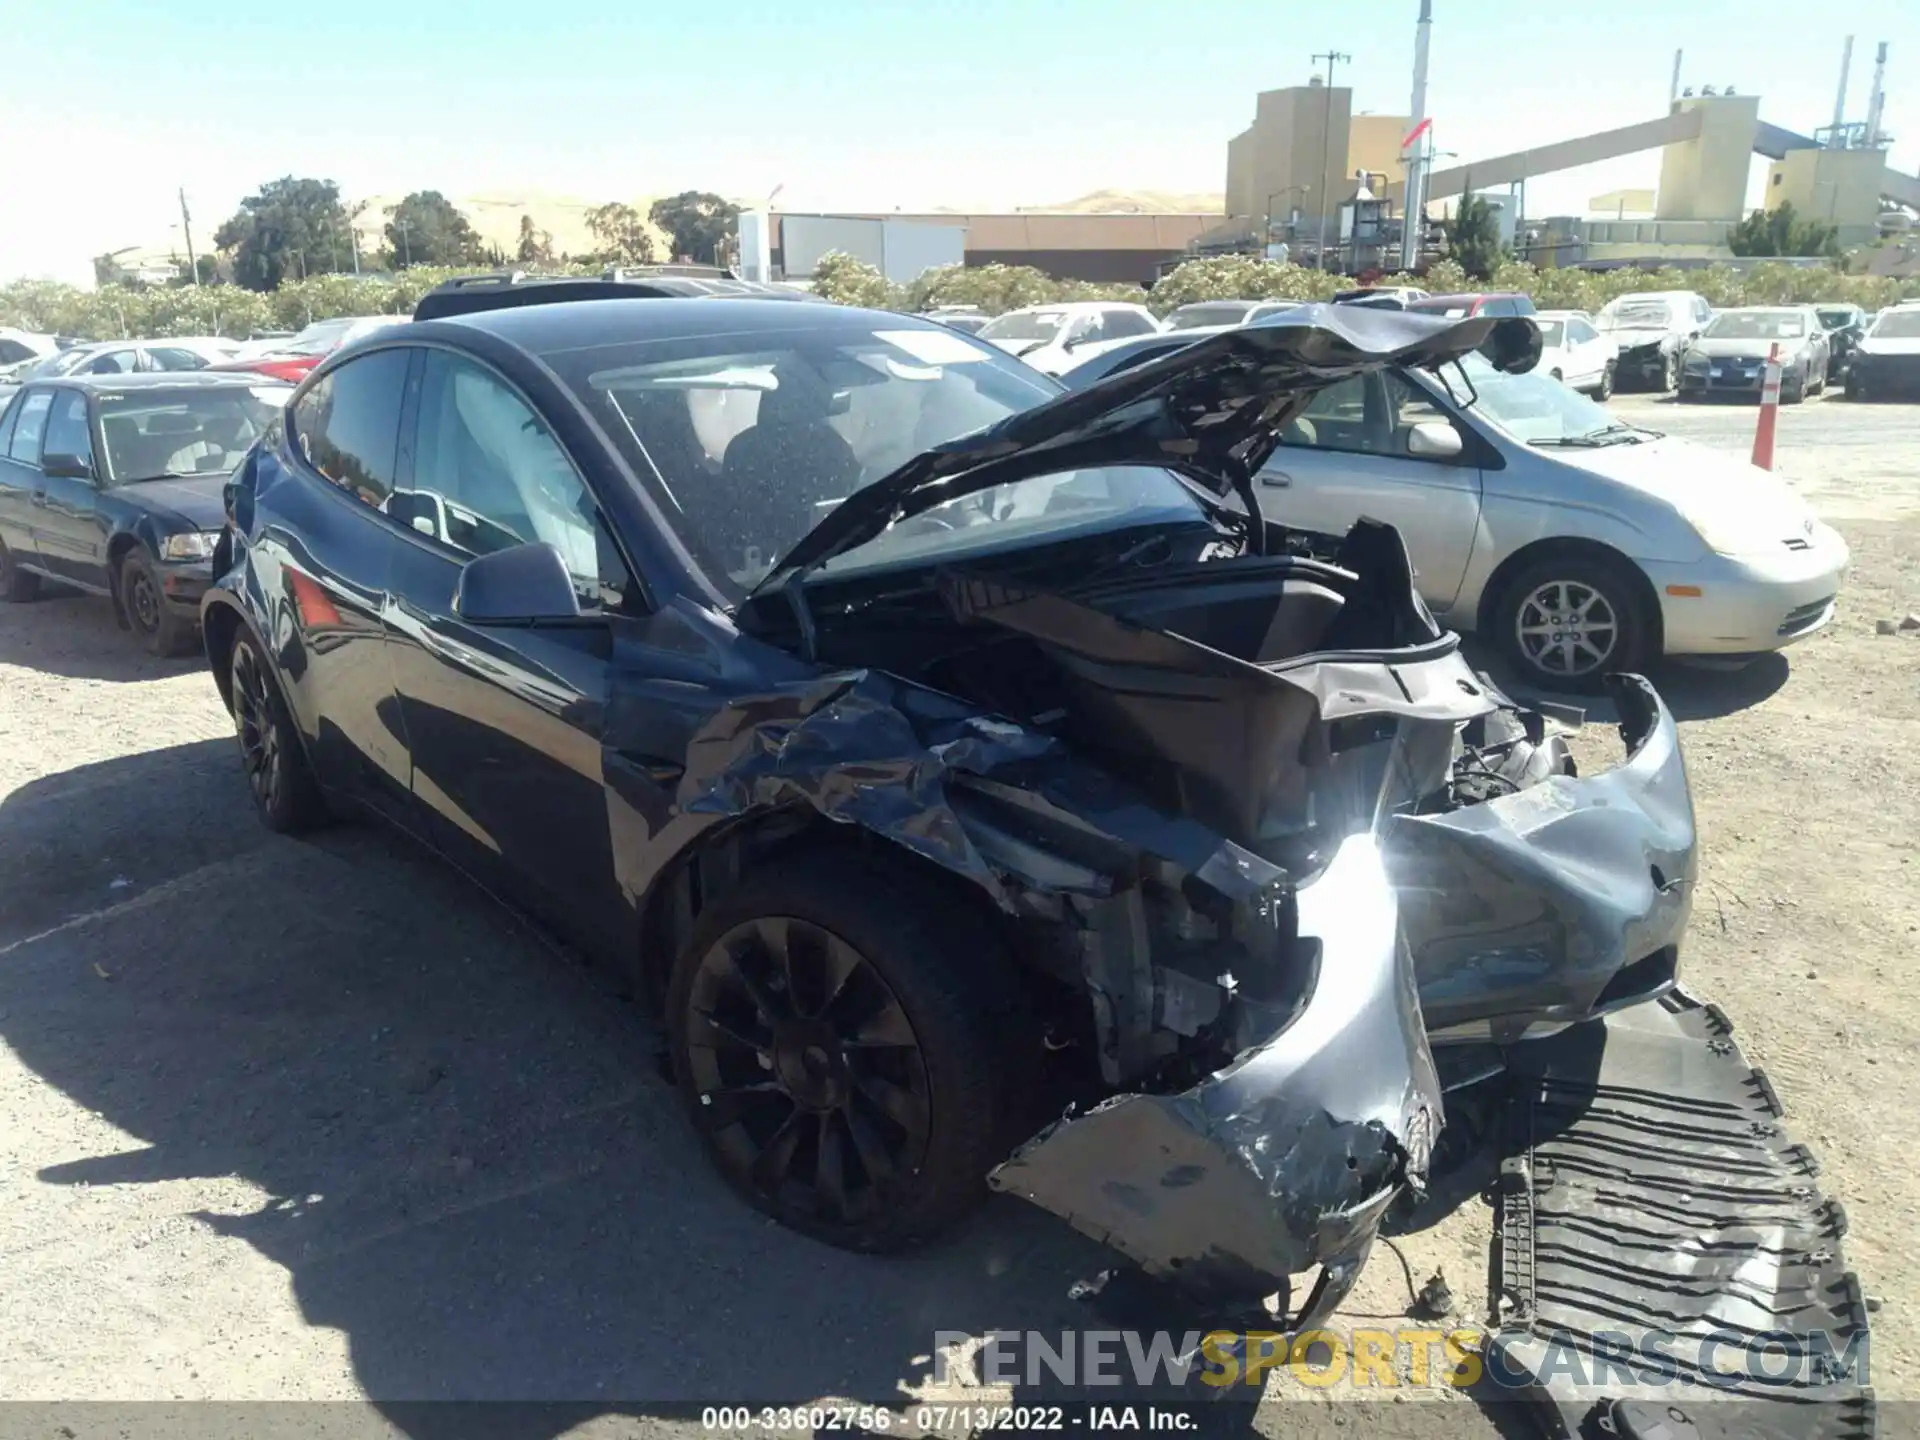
pixel 1769 410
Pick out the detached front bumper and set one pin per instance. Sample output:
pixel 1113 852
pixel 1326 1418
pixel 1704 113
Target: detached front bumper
pixel 1563 901
pixel 1288 1158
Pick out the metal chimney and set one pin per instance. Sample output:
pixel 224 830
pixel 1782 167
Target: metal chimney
pixel 1673 90
pixel 1413 222
pixel 1877 101
pixel 1840 99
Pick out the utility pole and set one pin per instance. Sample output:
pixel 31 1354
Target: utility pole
pixel 186 229
pixel 1332 57
pixel 406 250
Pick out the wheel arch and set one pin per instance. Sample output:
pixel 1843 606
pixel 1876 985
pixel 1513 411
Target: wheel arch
pixel 1494 594
pixel 122 544
pixel 220 622
pixel 722 857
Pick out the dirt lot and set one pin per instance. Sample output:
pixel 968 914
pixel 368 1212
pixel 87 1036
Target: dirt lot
pixel 290 1120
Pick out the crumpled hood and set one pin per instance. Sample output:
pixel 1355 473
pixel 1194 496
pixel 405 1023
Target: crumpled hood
pixel 1693 478
pixel 197 501
pixel 1212 411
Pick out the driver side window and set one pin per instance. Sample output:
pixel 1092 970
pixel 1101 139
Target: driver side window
pixel 488 475
pixel 67 430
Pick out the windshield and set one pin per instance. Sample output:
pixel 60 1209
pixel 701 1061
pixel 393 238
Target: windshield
pixel 1637 315
pixel 1898 325
pixel 748 440
pixel 1533 407
pixel 1836 319
pixel 1025 325
pixel 1193 317
pixel 158 433
pixel 1552 333
pixel 1756 325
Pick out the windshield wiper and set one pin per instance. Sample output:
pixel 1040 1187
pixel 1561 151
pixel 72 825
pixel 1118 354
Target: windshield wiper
pixel 1614 434
pixel 169 475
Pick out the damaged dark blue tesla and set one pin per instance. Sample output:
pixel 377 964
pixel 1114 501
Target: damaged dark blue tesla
pixel 909 728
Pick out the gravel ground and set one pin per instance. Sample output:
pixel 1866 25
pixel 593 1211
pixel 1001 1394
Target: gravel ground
pixel 286 1120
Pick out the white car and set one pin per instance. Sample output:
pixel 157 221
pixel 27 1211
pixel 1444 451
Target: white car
pixel 20 348
pixel 1574 351
pixel 1050 337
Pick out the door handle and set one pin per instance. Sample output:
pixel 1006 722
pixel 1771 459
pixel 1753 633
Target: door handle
pixel 1278 479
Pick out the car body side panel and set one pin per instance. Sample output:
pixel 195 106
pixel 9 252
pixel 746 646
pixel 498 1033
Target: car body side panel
pixel 315 584
pixel 503 724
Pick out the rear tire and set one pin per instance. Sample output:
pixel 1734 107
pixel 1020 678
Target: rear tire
pixel 17 586
pixel 1605 389
pixel 1567 621
pixel 144 603
pixel 278 775
pixel 848 1044
pixel 1670 373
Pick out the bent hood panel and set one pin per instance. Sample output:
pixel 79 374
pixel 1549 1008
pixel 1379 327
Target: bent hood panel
pixel 1212 411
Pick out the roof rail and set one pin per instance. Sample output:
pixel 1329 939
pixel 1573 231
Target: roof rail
pixel 506 289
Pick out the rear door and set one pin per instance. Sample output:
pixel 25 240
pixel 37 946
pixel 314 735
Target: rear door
pixel 1346 459
pixel 323 548
pixel 504 722
pixel 20 473
pixel 72 547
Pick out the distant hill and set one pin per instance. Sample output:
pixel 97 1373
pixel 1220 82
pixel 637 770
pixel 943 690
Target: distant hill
pixel 1138 202
pixel 496 219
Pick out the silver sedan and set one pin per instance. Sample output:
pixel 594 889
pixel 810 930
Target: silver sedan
pixel 1577 543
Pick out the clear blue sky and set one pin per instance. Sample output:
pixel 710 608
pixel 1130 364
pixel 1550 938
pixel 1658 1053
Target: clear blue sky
pixel 109 104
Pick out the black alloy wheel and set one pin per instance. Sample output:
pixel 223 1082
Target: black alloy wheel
pixel 145 606
pixel 844 1042
pixel 276 767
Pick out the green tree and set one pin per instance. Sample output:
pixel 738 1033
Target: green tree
pixel 288 227
pixel 621 233
pixel 108 271
pixel 696 222
pixel 535 245
pixel 427 229
pixel 1473 237
pixel 843 279
pixel 1782 231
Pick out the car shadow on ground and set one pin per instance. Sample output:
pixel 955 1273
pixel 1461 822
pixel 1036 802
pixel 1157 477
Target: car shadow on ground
pixel 467 1160
pixel 463 1152
pixel 64 632
pixel 1693 690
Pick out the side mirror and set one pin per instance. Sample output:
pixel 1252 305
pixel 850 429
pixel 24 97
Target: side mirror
pixel 1434 440
pixel 516 587
pixel 66 467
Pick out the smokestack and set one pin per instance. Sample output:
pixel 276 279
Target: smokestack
pixel 1412 222
pixel 1673 90
pixel 1877 101
pixel 1840 99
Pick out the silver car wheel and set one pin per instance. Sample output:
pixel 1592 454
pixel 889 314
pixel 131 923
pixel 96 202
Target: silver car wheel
pixel 1566 628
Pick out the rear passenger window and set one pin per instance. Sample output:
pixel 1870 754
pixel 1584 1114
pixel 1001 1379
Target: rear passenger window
pixel 347 426
pixel 32 424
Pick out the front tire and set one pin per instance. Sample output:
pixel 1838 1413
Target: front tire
pixel 847 1044
pixel 1794 391
pixel 1605 388
pixel 1567 621
pixel 144 603
pixel 17 586
pixel 281 781
pixel 1670 373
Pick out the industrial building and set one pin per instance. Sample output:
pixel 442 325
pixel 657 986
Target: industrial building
pixel 1309 171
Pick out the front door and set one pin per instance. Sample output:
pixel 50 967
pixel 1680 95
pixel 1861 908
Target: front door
pixel 1347 459
pixel 504 721
pixel 72 545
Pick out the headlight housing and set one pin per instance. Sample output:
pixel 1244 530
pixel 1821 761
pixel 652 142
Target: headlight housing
pixel 192 546
pixel 1734 531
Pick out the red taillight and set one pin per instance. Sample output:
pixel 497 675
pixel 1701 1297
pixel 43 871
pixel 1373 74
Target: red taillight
pixel 285 369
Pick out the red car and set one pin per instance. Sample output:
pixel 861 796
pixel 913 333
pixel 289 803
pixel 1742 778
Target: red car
pixel 291 359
